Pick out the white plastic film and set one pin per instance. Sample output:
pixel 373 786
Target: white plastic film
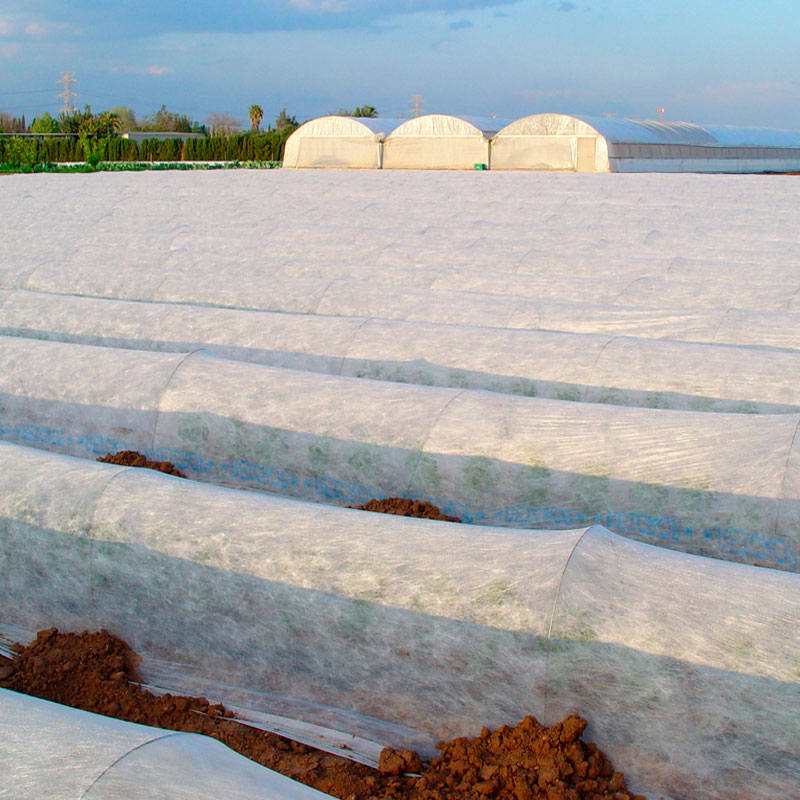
pixel 58 752
pixel 714 484
pixel 388 617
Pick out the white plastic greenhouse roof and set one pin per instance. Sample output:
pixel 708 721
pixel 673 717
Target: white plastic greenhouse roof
pixel 349 126
pixel 449 125
pixel 733 136
pixel 630 131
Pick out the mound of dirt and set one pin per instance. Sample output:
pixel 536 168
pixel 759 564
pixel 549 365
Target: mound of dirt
pixel 404 507
pixel 130 458
pixel 97 672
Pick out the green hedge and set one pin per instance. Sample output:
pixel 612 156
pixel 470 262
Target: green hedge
pixel 267 146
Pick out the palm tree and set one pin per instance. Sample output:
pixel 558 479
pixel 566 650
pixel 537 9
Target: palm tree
pixel 256 115
pixel 107 123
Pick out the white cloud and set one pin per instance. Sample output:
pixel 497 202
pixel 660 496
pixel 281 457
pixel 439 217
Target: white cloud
pixel 41 28
pixel 320 6
pixel 743 92
pixel 6 28
pixel 129 69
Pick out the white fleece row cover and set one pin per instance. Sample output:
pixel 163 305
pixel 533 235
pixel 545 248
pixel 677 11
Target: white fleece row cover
pixel 365 298
pixel 701 229
pixel 725 485
pixel 632 285
pixel 60 753
pixel 687 668
pixel 621 370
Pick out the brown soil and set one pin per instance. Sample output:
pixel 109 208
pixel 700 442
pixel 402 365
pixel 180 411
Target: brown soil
pixel 404 507
pixel 97 671
pixel 130 458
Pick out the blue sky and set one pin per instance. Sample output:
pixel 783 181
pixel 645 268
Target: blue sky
pixel 704 61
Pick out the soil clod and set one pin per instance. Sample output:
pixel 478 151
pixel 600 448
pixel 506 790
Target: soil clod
pixel 132 458
pixel 404 507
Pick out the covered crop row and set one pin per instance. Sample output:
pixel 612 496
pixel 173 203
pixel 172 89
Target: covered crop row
pixel 726 485
pixel 690 682
pixel 620 370
pixel 50 750
pixel 365 298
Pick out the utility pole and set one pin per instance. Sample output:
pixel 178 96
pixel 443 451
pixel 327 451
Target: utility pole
pixel 68 81
pixel 416 107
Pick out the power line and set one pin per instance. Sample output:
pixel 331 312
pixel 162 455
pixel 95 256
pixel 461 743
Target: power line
pixel 46 106
pixel 130 98
pixel 30 91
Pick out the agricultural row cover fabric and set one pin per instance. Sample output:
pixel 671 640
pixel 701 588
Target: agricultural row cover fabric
pixel 579 367
pixel 726 485
pixel 52 751
pixel 680 288
pixel 687 668
pixel 698 228
pixel 339 297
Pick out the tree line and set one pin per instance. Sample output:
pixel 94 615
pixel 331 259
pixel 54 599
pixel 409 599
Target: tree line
pixel 263 146
pixel 93 137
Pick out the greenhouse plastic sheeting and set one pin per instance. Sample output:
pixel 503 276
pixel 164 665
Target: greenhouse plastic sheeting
pixel 726 485
pixel 685 667
pixel 566 366
pixel 60 753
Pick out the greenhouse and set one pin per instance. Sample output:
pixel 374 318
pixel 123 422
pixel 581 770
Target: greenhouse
pixel 602 144
pixel 354 142
pixel 440 141
pixel 547 142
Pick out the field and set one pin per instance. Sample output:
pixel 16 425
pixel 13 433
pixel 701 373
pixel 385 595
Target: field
pixel 597 373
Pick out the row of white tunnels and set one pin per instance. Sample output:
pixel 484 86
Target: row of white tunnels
pixel 552 142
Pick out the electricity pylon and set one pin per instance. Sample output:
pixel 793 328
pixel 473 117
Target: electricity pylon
pixel 68 81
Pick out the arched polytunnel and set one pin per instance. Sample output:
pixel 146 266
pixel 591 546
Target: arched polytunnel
pixel 711 322
pixel 440 141
pixel 605 144
pixel 600 368
pixel 336 141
